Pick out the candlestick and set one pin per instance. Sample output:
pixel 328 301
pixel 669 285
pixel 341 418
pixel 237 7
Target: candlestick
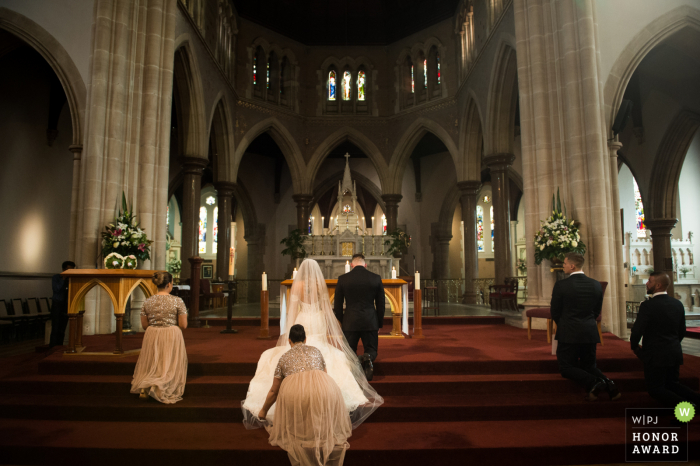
pixel 347 266
pixel 393 273
pixel 264 281
pixel 294 273
pixel 416 285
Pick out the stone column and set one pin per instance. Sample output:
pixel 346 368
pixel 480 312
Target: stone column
pixel 661 244
pixel 255 239
pixel 564 140
pixel 191 189
pixel 303 211
pixel 618 320
pixel 224 190
pixel 498 165
pixel 513 240
pixel 392 210
pixel 469 192
pixel 77 150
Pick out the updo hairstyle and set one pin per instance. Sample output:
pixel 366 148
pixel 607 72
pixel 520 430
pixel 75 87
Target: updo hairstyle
pixel 297 333
pixel 162 279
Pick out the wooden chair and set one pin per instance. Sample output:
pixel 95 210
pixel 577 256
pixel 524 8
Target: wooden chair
pixel 205 292
pixel 10 323
pixel 24 319
pixel 507 292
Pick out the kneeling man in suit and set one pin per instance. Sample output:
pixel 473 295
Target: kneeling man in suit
pixel 576 304
pixel 661 322
pixel 363 292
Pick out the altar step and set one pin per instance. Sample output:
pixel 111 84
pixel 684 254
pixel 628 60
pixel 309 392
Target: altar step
pixel 226 409
pixel 78 366
pixel 427 321
pixel 494 442
pixel 236 387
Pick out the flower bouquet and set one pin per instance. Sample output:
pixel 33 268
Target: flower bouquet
pixel 557 236
pixel 114 261
pixel 126 239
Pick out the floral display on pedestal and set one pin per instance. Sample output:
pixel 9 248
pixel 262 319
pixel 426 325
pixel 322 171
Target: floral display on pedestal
pixel 557 236
pixel 124 243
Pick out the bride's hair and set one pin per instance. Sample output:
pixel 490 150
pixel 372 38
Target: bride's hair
pixel 297 333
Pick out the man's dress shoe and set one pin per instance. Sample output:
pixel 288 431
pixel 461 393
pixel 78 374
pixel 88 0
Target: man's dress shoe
pixel 367 366
pixel 596 389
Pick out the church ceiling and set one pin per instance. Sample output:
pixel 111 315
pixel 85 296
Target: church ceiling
pixel 362 22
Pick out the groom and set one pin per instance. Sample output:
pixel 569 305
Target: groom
pixel 363 292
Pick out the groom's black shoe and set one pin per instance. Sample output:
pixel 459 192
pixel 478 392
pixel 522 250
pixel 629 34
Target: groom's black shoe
pixel 367 366
pixel 598 387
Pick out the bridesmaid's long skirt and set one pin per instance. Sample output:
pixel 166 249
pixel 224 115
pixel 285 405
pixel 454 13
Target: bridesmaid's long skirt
pixel 312 423
pixel 162 365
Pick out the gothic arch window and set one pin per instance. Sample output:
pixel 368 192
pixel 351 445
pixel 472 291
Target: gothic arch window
pixel 479 228
pixel 273 78
pixel 285 81
pixel 639 212
pixel 433 65
pixel 361 82
pixel 332 85
pixel 492 238
pixel 347 85
pixel 259 72
pixel 202 230
pixel 421 81
pixel 408 85
pixel 215 235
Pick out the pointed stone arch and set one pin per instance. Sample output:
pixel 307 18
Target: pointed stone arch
pixel 502 103
pixel 59 60
pixel 629 59
pixel 190 97
pixel 222 135
pixel 472 140
pixel 408 142
pixel 283 138
pixel 360 140
pixel 668 163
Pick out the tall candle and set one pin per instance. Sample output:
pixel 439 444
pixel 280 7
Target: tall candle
pixel 264 281
pixel 230 262
pixel 347 266
pixel 417 281
pixel 393 272
pixel 294 273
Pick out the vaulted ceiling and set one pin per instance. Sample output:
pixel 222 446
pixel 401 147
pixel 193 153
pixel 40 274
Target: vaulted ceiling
pixel 358 22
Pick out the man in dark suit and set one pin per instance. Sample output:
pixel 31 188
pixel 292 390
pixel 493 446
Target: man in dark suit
pixel 59 306
pixel 576 304
pixel 661 321
pixel 363 293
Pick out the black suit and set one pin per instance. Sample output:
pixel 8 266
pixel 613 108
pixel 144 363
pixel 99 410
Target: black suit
pixel 576 303
pixel 363 293
pixel 661 322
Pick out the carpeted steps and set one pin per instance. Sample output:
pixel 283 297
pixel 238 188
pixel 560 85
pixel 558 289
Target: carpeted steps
pixel 372 444
pixel 482 393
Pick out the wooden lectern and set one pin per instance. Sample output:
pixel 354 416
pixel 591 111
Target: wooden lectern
pixel 396 291
pixel 118 283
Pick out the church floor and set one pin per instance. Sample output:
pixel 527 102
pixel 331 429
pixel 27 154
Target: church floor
pixel 480 390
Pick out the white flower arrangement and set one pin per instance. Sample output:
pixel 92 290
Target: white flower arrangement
pixel 557 236
pixel 130 262
pixel 114 261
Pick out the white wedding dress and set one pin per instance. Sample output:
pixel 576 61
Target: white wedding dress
pixel 310 307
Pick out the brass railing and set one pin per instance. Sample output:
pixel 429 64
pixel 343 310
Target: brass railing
pixel 248 291
pixel 481 288
pixel 449 290
pixel 632 309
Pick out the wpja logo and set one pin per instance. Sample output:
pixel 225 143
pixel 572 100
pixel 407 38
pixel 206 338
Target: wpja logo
pixel 657 434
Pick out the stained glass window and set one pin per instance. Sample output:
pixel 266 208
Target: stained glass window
pixel 425 73
pixel 413 84
pixel 361 85
pixel 491 214
pixel 383 224
pixel 311 225
pixel 347 85
pixel 167 216
pixel 479 228
pixel 347 209
pixel 255 70
pixel 331 85
pixel 216 230
pixel 487 199
pixel 639 210
pixel 211 200
pixel 202 230
pixel 437 56
pixel 268 75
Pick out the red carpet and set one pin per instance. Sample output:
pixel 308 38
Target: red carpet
pixel 478 392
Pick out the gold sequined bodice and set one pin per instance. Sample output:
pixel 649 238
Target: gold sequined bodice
pixel 299 359
pixel 162 310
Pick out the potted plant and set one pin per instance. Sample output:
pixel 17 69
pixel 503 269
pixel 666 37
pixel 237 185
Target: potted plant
pixel 684 270
pixel 558 236
pixel 294 245
pixel 175 267
pixel 522 267
pixel 399 243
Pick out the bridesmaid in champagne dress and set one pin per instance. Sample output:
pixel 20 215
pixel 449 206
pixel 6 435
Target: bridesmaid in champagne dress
pixel 161 370
pixel 311 422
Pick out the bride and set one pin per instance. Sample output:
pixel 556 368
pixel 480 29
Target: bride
pixel 310 306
